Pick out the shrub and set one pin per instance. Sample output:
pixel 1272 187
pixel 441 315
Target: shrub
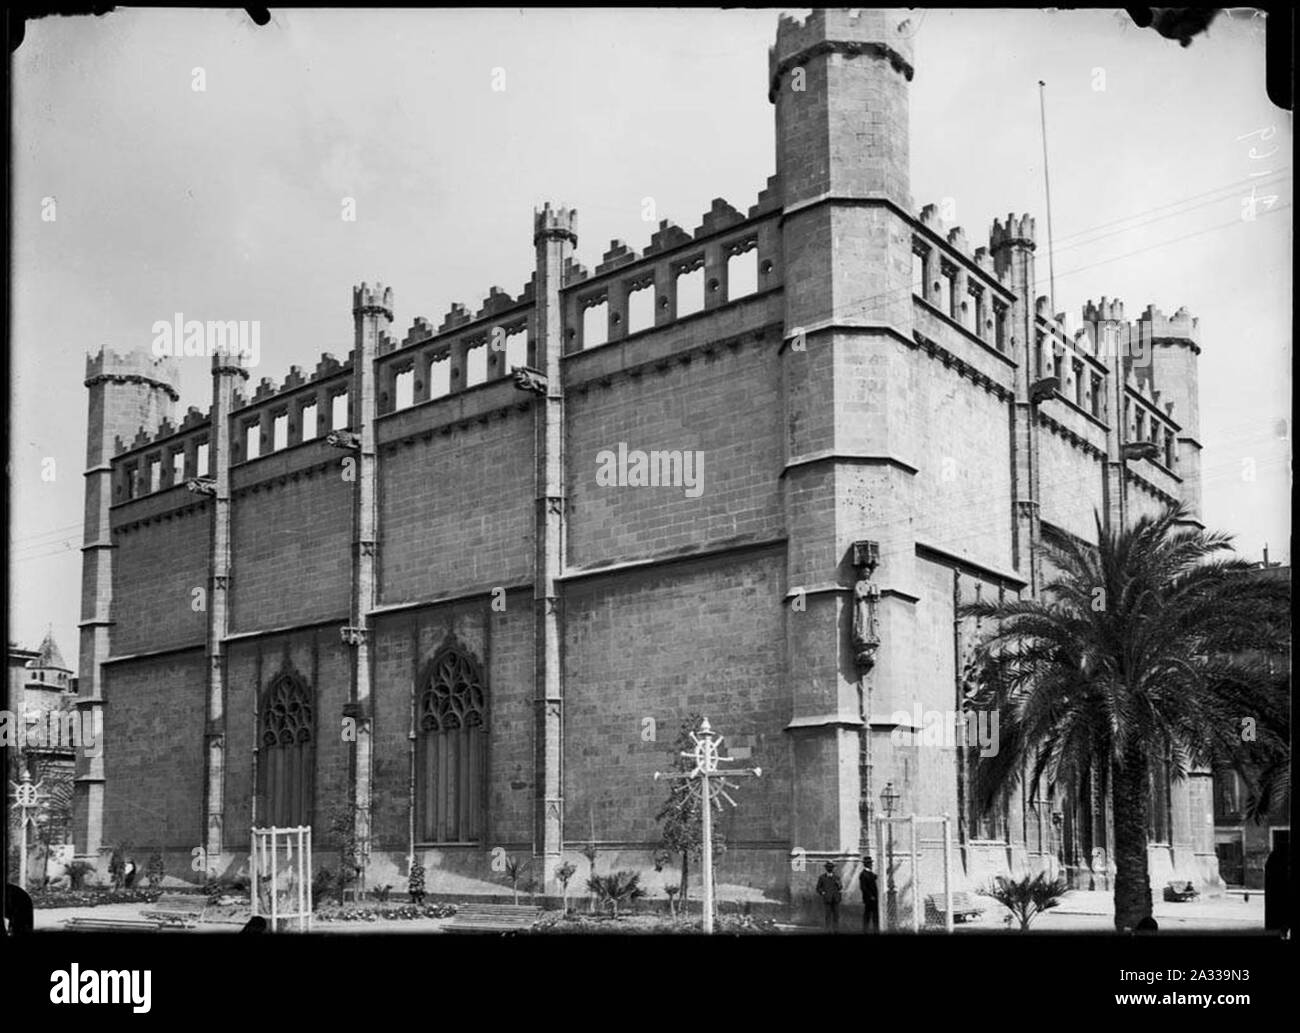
pixel 223 885
pixel 156 869
pixel 617 888
pixel 415 884
pixel 1026 898
pixel 322 881
pixel 77 872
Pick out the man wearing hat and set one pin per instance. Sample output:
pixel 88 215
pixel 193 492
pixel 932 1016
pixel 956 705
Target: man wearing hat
pixel 870 898
pixel 828 888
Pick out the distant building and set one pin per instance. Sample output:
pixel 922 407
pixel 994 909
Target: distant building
pixel 41 702
pixel 1243 844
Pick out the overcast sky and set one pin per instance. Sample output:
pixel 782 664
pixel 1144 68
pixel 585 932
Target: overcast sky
pixel 226 203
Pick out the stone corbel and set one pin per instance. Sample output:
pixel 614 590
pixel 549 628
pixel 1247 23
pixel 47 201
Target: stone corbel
pixel 353 636
pixel 344 439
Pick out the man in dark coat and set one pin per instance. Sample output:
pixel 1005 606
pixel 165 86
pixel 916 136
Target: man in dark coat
pixel 870 898
pixel 828 888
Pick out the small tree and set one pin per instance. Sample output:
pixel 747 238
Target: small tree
pixel 1026 898
pixel 589 852
pixel 514 870
pixel 564 873
pixel 672 892
pixel 617 888
pixel 343 827
pixel 77 872
pixel 415 883
pixel 155 869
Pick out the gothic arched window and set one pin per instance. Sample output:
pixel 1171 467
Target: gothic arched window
pixel 451 749
pixel 288 755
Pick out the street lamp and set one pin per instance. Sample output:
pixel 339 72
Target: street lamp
pixel 889 798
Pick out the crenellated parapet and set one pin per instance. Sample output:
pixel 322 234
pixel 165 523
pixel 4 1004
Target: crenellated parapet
pixel 376 298
pixel 574 272
pixel 883 33
pixel 1016 230
pixel 194 417
pixel 495 303
pixel 720 216
pixel 1181 326
pixel 421 330
pixel 458 315
pixel 1107 310
pixel 134 367
pixel 618 255
pixel 328 366
pixel 555 223
pixel 667 237
pixel 769 198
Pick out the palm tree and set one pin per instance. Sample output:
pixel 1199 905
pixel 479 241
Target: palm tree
pixel 1150 644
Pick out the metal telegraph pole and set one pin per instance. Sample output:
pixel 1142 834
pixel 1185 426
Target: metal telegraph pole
pixel 709 782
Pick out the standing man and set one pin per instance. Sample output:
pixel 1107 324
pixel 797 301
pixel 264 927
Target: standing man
pixel 828 888
pixel 870 898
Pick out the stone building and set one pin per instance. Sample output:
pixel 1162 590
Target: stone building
pixel 470 581
pixel 42 687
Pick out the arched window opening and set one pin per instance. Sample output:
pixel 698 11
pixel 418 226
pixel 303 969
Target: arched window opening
pixel 287 763
pixel 451 749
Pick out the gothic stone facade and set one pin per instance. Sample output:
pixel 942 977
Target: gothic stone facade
pixel 397 583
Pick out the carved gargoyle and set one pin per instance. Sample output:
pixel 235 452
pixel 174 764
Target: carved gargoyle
pixel 343 439
pixel 202 485
pixel 1141 450
pixel 1041 390
pixel 527 379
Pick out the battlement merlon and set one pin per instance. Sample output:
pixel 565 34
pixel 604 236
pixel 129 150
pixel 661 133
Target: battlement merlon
pixel 367 299
pixel 880 32
pixel 137 366
pixel 1016 230
pixel 555 224
pixel 1105 311
pixel 1181 326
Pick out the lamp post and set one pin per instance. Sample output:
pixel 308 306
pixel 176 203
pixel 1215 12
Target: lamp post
pixel 709 781
pixel 1058 822
pixel 888 801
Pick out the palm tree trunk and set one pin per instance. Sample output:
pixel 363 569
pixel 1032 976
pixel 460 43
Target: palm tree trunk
pixel 1129 795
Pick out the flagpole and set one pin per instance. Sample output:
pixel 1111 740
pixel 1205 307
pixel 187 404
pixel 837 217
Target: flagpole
pixel 1047 183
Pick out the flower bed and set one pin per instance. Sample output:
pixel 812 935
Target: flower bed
pixel 727 925
pixel 92 898
pixel 376 912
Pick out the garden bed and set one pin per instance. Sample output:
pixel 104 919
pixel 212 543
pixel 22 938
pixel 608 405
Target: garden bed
pixel 376 911
pixel 93 897
pixel 653 924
